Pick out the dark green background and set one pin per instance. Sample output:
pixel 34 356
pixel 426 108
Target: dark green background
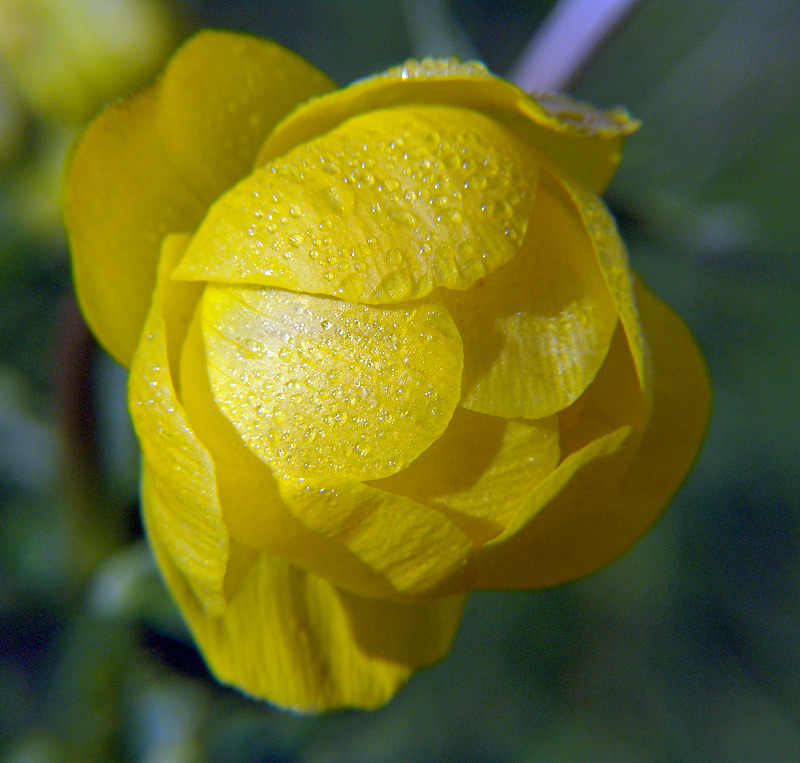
pixel 688 649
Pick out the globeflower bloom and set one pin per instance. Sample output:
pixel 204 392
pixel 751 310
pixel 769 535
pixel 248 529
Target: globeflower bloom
pixel 384 348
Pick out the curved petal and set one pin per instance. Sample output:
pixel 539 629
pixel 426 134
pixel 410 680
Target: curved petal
pixel 222 95
pixel 614 399
pixel 418 550
pixel 582 142
pixel 525 554
pixel 325 388
pixel 178 483
pixel 480 470
pixel 537 330
pixel 151 164
pixel 371 544
pixel 122 198
pixel 576 535
pixel 383 209
pixel 613 258
pixel 297 641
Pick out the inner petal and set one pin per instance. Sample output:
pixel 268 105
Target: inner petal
pixel 382 209
pixel 318 386
pixel 481 470
pixel 537 330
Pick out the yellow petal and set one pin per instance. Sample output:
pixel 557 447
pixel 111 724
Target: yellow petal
pixel 222 95
pixel 123 196
pixel 419 551
pixel 178 482
pixel 318 386
pixel 537 330
pixel 297 641
pixel 151 164
pixel 368 543
pixel 577 533
pixel 481 470
pixel 383 209
pixel 530 553
pixel 613 258
pixel 613 400
pixel 579 140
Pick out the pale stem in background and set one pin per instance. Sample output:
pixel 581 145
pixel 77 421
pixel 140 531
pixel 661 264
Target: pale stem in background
pixel 566 41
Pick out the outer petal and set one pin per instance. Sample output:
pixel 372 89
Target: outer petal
pixel 574 536
pixel 537 330
pixel 382 209
pixel 179 484
pixel 331 389
pixel 481 470
pixel 297 641
pixel 582 142
pixel 150 165
pixel 357 537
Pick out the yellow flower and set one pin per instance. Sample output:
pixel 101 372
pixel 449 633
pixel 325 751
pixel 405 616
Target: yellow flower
pixel 384 348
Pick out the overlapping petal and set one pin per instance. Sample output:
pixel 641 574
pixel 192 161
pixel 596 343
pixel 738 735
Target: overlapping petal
pixel 306 645
pixel 604 496
pixel 151 164
pixel 368 542
pixel 585 143
pixel 384 208
pixel 537 330
pixel 481 470
pixel 178 483
pixel 335 389
pixel 613 258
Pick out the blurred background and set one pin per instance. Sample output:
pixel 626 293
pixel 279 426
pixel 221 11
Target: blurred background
pixel 687 649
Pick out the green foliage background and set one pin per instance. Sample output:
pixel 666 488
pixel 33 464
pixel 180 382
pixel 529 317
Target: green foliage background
pixel 688 649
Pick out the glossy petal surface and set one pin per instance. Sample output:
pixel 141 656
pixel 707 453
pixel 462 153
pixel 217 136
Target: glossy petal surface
pixel 537 330
pixel 481 470
pixel 178 484
pixel 584 143
pixel 151 164
pixel 367 542
pixel 383 209
pixel 296 640
pixel 318 386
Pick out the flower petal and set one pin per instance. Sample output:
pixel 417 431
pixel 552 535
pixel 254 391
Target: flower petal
pixel 299 642
pixel 178 483
pixel 318 386
pixel 584 143
pixel 537 330
pixel 122 198
pixel 416 548
pixel 372 544
pixel 525 555
pixel 577 533
pixel 222 95
pixel 382 209
pixel 613 400
pixel 480 470
pixel 613 258
pixel 152 163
